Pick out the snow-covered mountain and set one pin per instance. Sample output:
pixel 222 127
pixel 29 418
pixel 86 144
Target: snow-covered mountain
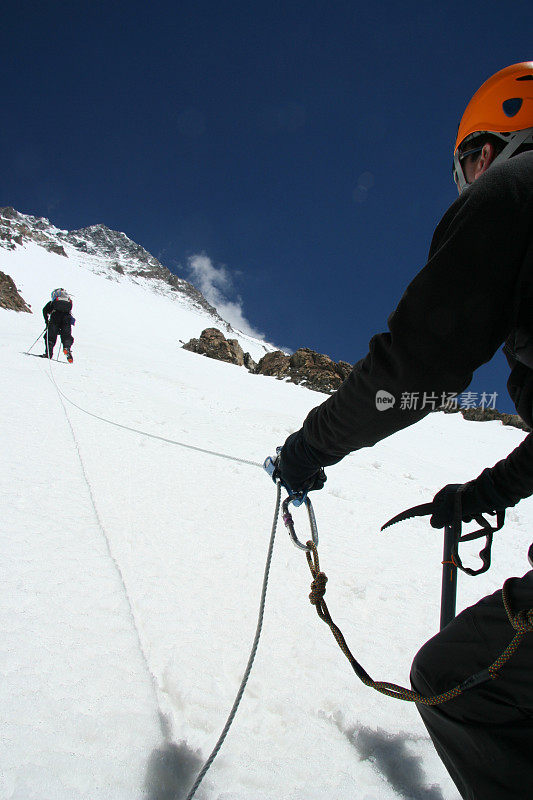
pixel 112 254
pixel 136 521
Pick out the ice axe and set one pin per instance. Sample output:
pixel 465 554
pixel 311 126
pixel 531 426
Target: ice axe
pixel 451 560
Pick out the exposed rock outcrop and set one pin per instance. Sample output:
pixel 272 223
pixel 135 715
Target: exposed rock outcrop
pixel 489 415
pixel 249 363
pixel 58 249
pixel 313 370
pixel 213 344
pixel 9 295
pixel 275 364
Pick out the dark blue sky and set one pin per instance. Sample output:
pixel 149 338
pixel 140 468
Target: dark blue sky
pixel 303 147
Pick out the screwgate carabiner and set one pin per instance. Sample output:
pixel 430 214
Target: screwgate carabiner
pixel 289 522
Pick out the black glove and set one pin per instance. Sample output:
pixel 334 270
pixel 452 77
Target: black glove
pixel 298 466
pixel 478 497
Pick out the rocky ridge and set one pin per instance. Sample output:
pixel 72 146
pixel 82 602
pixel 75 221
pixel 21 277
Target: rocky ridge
pixel 114 253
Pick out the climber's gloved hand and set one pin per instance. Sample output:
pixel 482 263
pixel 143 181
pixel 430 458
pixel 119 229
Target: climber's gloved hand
pixel 297 466
pixel 479 496
pixel 443 506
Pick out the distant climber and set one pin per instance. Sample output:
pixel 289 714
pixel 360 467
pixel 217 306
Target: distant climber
pixel 58 318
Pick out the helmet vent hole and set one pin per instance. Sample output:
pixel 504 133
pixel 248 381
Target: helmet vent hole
pixel 512 106
pixel 525 78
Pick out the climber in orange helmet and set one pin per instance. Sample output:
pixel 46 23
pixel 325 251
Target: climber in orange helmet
pixel 474 295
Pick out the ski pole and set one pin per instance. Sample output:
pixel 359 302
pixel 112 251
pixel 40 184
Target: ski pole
pixel 37 339
pixel 449 578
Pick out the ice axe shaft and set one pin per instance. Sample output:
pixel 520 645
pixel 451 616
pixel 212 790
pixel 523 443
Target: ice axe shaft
pixel 449 578
pixel 452 536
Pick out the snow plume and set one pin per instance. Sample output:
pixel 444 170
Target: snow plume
pixel 216 285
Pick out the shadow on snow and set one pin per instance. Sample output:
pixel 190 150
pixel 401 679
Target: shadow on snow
pixel 390 755
pixel 172 769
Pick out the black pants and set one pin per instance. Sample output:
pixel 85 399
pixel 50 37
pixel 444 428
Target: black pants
pixel 58 323
pixel 485 736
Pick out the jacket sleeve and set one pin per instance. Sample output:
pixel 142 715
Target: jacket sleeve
pixel 47 310
pixel 512 477
pixel 452 318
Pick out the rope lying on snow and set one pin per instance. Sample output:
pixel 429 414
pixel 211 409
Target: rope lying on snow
pixel 144 657
pixel 252 654
pixel 152 435
pixel 259 627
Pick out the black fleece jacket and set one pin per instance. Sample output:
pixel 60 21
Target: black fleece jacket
pixel 51 308
pixel 459 309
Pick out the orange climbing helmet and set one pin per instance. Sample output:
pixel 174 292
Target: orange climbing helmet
pixel 502 106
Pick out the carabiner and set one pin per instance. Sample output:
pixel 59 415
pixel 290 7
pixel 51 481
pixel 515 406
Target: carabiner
pixel 289 522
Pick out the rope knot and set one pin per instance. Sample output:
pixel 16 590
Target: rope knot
pixel 523 621
pixel 318 588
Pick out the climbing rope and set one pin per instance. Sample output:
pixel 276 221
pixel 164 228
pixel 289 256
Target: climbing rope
pixel 522 624
pixel 259 627
pixel 129 604
pixel 251 658
pixel 152 435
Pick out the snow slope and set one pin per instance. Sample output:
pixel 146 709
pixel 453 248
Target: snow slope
pixel 132 568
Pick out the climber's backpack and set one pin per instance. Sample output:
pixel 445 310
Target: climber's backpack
pixel 61 300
